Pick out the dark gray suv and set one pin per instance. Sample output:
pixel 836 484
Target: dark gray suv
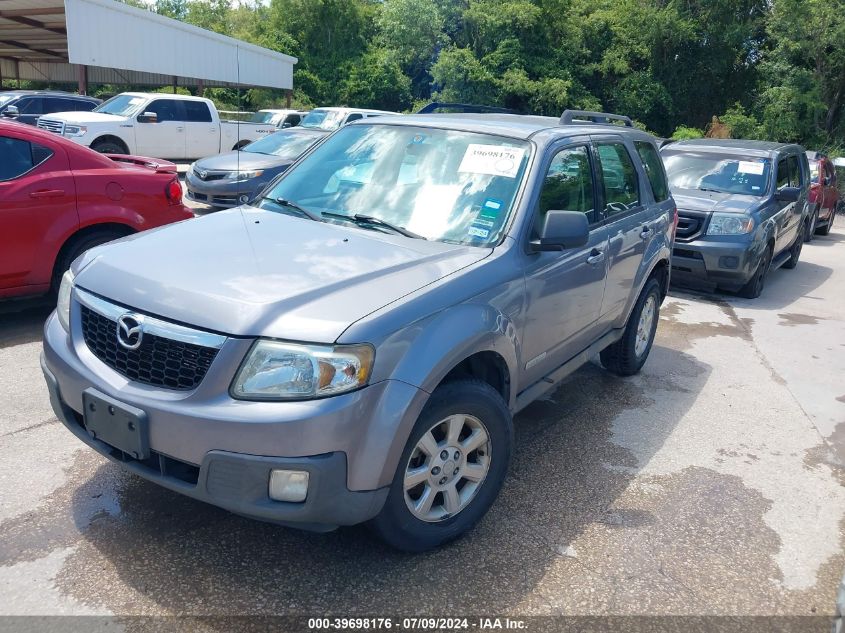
pixel 25 106
pixel 354 344
pixel 742 209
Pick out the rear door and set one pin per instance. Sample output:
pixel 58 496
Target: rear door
pixel 626 214
pixel 202 134
pixel 37 209
pixel 564 288
pixel 166 137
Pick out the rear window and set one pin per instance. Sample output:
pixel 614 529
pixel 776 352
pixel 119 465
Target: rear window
pixel 20 157
pixel 654 170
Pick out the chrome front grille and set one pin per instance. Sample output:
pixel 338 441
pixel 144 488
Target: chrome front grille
pixel 51 126
pixel 169 355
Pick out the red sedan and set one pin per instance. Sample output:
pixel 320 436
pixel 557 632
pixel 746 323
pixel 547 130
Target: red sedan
pixel 58 199
pixel 824 193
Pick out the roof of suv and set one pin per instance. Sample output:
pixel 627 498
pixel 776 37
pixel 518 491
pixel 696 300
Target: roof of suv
pixel 53 93
pixel 735 145
pixel 521 126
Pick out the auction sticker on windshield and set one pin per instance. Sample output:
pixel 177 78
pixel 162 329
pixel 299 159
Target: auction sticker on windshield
pixel 749 167
pixel 495 160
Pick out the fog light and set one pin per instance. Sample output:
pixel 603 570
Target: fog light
pixel 728 262
pixel 288 485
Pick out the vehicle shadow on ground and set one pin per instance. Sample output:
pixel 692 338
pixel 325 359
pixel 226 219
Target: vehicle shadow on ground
pixel 186 557
pixel 22 321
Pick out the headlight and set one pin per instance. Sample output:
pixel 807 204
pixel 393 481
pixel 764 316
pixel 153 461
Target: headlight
pixel 275 370
pixel 729 224
pixel 75 130
pixel 247 175
pixel 63 302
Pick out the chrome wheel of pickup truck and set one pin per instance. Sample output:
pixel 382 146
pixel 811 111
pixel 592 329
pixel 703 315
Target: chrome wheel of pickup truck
pixel 447 467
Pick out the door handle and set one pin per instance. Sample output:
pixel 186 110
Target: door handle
pixel 596 257
pixel 47 193
pixel 180 129
pixel 645 232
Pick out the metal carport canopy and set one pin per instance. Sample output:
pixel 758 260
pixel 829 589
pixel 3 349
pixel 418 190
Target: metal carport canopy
pixel 51 40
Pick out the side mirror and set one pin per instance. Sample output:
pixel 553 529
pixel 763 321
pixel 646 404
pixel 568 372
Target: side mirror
pixel 11 112
pixel 562 230
pixel 788 194
pixel 148 117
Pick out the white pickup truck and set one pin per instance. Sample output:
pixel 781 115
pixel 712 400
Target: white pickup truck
pixel 155 124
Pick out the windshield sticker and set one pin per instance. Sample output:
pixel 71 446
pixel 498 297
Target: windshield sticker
pixel 748 167
pixel 491 208
pixel 495 160
pixel 476 232
pixel 418 139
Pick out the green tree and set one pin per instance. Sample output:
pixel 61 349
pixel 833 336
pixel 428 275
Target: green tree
pixel 377 81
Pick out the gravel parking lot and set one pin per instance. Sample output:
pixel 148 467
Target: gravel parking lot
pixel 712 483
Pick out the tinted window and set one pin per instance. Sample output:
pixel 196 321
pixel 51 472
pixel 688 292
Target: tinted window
pixel 654 170
pixel 783 174
pixel 619 179
pixel 166 109
pixel 293 119
pixel 83 105
pixel 568 185
pixel 31 105
pixel 354 117
pixel 197 111
pixel 794 171
pixel 19 157
pixel 829 174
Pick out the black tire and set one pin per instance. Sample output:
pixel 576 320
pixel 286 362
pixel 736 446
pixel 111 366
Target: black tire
pixel 75 248
pixel 621 357
pixel 108 147
pixel 395 524
pixel 795 249
pixel 825 230
pixel 810 233
pixel 755 285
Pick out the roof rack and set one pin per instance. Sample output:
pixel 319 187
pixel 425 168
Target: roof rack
pixel 585 116
pixel 434 106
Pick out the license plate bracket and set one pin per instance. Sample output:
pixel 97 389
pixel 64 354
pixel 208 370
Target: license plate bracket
pixel 117 424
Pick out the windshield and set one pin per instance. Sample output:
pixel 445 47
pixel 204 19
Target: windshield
pixel 710 171
pixel 322 119
pixel 456 187
pixel 814 170
pixel 263 117
pixel 121 105
pixel 283 144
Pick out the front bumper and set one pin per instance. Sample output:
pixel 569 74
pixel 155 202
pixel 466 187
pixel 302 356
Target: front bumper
pixel 712 263
pixel 207 446
pixel 222 193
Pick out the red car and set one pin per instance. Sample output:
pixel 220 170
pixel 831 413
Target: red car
pixel 824 193
pixel 58 199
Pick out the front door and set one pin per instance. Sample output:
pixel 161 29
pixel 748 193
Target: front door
pixel 202 134
pixel 166 137
pixel 37 208
pixel 564 288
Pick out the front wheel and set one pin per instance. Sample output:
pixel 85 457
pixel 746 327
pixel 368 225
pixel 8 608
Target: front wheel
pixel 795 249
pixel 754 287
pixel 627 356
pixel 451 470
pixel 825 230
pixel 810 233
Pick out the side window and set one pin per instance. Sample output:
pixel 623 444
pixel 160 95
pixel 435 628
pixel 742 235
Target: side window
pixel 83 105
pixel 197 112
pixel 31 105
pixel 166 110
pixel 829 174
pixel 783 174
pixel 20 157
pixel 795 178
pixel 62 105
pixel 354 117
pixel 619 179
pixel 568 185
pixel 293 120
pixel 654 170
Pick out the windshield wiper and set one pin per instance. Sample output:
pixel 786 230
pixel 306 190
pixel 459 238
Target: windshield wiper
pixel 713 190
pixel 362 219
pixel 284 202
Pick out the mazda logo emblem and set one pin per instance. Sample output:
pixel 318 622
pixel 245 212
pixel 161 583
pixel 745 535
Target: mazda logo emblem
pixel 130 332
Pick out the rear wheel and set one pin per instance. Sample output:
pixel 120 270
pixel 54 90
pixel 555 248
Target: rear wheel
pixel 795 249
pixel 451 470
pixel 108 147
pixel 626 356
pixel 754 287
pixel 75 248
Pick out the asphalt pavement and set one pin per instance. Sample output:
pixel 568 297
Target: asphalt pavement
pixel 710 484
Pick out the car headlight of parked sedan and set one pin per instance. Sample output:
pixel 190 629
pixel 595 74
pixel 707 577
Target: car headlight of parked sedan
pixel 245 175
pixel 278 370
pixel 730 224
pixel 75 130
pixel 63 300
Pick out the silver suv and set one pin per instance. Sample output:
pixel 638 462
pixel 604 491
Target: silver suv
pixel 354 345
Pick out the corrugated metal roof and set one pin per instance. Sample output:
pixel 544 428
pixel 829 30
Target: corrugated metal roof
pixel 41 40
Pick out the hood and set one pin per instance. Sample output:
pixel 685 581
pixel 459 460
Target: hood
pixel 83 117
pixel 249 272
pixel 241 160
pixel 710 201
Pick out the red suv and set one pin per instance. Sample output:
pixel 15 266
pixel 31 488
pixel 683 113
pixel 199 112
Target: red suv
pixel 58 199
pixel 824 194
